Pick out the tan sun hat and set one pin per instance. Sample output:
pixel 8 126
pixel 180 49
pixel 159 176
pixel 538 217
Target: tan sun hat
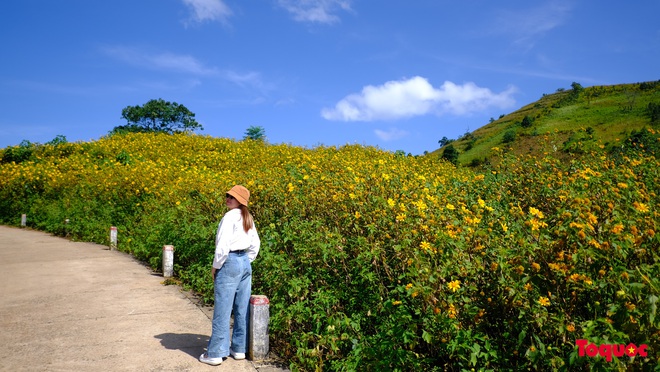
pixel 240 193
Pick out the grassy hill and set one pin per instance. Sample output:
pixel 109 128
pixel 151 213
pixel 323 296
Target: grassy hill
pixel 581 120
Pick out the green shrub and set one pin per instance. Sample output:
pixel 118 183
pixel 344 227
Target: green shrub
pixel 509 136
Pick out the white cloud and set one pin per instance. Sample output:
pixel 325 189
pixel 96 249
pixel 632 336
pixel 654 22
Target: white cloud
pixel 416 97
pixel 208 10
pixel 390 135
pixel 252 80
pixel 469 98
pixel 527 25
pixel 162 61
pixel 184 64
pixel 321 11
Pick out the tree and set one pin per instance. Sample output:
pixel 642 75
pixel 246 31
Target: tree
pixel 20 153
pixel 527 122
pixel 450 154
pixel 445 141
pixel 509 136
pixel 255 134
pixel 577 87
pixel 158 115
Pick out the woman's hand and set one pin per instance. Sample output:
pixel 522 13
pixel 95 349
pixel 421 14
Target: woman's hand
pixel 213 270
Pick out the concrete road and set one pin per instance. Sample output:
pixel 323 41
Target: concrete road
pixel 72 306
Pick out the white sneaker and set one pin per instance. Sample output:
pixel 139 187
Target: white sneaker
pixel 212 361
pixel 237 356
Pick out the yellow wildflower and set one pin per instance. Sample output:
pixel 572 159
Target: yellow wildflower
pixel 592 219
pixel 536 212
pixel 536 224
pixel 576 225
pixel 452 311
pixel 594 243
pixel 454 285
pixel 544 301
pixel 641 207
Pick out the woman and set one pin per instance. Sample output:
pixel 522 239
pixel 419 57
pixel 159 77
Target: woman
pixel 236 246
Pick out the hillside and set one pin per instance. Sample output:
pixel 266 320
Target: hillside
pixel 581 120
pixel 375 261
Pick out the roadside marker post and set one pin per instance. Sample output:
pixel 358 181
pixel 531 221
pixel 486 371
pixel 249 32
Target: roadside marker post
pixel 258 327
pixel 113 238
pixel 168 261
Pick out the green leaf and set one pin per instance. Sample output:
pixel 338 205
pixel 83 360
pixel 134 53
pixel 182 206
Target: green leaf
pixel 636 288
pixel 653 300
pixel 521 337
pixel 427 337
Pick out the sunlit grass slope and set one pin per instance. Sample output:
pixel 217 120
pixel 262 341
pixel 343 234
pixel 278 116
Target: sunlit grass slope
pixel 597 118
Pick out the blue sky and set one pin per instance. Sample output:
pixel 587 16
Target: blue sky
pixel 395 74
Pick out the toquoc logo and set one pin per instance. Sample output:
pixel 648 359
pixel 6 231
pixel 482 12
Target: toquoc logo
pixel 610 350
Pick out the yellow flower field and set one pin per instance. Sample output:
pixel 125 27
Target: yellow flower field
pixel 374 261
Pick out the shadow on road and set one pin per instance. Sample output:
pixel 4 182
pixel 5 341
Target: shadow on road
pixel 191 344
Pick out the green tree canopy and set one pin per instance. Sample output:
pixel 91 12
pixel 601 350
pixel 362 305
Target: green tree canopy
pixel 255 133
pixel 445 141
pixel 158 115
pixel 450 154
pixel 527 122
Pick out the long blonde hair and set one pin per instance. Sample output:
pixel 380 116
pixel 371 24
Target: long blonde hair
pixel 248 220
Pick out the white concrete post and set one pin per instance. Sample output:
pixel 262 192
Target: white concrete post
pixel 23 220
pixel 258 327
pixel 113 238
pixel 168 261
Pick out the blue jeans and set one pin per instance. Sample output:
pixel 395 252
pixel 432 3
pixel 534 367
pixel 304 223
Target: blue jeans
pixel 233 284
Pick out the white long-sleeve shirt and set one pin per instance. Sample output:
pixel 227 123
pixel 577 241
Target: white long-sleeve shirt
pixel 232 237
